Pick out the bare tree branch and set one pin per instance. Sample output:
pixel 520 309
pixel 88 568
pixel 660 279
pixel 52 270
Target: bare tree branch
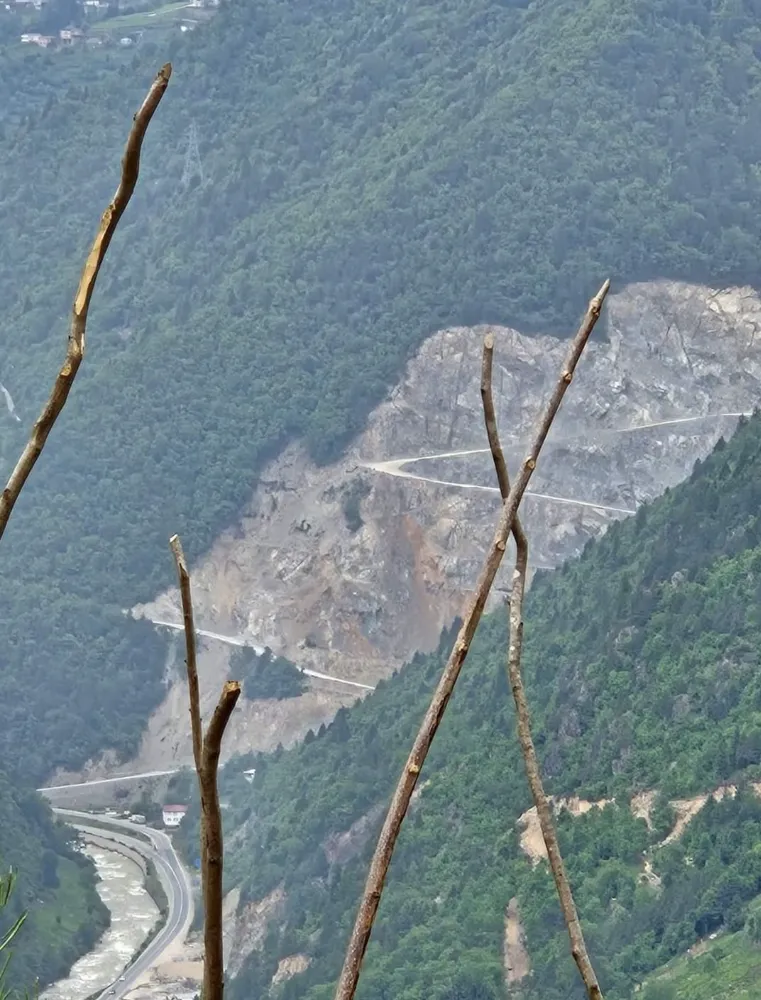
pixel 206 752
pixel 492 433
pixel 213 966
pixel 76 342
pixel 194 697
pixel 216 728
pixel 190 647
pixel 397 810
pixel 533 772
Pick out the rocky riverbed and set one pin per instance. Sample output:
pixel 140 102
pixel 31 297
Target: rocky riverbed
pixel 133 915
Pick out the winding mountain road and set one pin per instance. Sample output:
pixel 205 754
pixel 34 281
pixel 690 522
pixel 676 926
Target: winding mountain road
pixel 160 849
pixel 397 466
pixel 108 781
pixel 173 877
pixel 241 641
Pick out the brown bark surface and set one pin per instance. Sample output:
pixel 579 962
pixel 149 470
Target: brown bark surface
pixel 206 752
pixel 515 677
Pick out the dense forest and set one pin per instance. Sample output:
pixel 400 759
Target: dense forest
pixel 55 886
pixel 264 675
pixel 642 665
pixel 369 173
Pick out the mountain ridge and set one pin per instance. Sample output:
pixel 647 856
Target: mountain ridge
pixel 370 175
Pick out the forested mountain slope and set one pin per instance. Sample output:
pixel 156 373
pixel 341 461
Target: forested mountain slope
pixel 642 663
pixel 55 885
pixel 32 81
pixel 370 173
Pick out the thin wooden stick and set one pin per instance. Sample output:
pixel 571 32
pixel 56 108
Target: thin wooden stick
pixel 515 649
pixel 213 968
pixel 190 648
pixel 492 433
pixel 194 697
pixel 384 849
pixel 76 342
pixel 206 752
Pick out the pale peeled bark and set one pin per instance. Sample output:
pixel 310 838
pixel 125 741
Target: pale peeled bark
pixel 75 348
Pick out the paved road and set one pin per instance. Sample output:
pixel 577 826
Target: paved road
pixel 109 781
pixel 398 466
pixel 235 640
pixel 173 877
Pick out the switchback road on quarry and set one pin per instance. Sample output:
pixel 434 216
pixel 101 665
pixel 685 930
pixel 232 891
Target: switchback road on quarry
pixel 397 466
pixel 235 640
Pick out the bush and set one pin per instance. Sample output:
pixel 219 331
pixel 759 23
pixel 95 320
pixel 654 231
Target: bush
pixel 266 675
pixel 353 496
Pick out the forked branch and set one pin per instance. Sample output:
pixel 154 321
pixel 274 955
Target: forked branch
pixel 206 752
pixel 515 649
pixel 397 810
pixel 76 342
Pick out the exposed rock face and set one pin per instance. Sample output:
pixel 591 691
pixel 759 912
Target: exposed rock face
pixel 247 928
pixel 340 848
pixel 350 568
pixel 289 967
pixel 516 959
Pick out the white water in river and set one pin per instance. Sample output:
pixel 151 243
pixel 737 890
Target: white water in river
pixel 133 914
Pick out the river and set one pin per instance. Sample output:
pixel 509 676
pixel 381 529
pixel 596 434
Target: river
pixel 133 915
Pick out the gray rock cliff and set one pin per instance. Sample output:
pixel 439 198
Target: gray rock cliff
pixel 350 568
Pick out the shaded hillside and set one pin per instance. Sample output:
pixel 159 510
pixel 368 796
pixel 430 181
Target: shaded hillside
pixel 643 668
pixel 718 969
pixel 371 173
pixel 55 885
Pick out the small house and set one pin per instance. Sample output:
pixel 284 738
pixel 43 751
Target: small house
pixel 173 815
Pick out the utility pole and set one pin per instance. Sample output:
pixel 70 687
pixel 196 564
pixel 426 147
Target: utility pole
pixel 193 166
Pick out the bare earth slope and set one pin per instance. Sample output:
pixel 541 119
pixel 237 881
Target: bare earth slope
pixel 354 596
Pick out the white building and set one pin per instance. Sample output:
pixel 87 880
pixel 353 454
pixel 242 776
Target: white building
pixel 173 815
pixel 34 38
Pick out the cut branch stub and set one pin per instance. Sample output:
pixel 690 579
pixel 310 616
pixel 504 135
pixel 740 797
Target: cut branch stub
pixel 206 752
pixel 212 856
pixel 183 578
